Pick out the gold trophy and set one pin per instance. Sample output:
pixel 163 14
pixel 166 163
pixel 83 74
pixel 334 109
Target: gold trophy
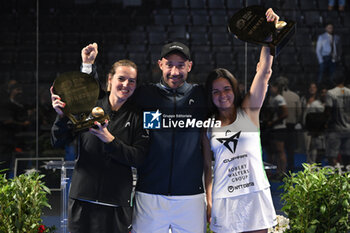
pixel 80 92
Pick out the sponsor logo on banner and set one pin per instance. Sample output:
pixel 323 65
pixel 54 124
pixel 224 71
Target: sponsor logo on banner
pixel 157 120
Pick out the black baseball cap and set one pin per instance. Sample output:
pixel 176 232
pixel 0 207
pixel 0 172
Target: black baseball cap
pixel 174 47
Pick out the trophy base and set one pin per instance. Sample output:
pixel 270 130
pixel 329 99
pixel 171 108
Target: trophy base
pixel 83 125
pixel 281 38
pixel 250 25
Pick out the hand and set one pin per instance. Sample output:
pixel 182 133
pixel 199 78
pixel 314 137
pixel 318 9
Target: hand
pixel 89 53
pixel 209 212
pixel 102 132
pixel 271 16
pixel 57 104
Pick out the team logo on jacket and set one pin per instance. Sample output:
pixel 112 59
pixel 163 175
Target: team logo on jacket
pixel 230 142
pixel 151 120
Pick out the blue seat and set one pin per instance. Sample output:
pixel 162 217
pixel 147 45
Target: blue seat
pixel 181 19
pixel 220 39
pixel 198 38
pixel 234 4
pixel 308 5
pixel 200 20
pixel 179 4
pixel 252 2
pixel 218 20
pixel 216 4
pixel 157 37
pixel 224 59
pixel 312 18
pixel 197 4
pixel 162 19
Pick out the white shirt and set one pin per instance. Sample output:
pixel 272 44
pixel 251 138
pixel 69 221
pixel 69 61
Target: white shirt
pixel 323 46
pixel 274 103
pixel 338 99
pixel 238 167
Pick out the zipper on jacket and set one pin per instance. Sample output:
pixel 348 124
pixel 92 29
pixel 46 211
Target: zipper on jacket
pixel 172 150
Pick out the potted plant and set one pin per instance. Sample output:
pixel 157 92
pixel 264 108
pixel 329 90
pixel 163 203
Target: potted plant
pixel 317 200
pixel 21 201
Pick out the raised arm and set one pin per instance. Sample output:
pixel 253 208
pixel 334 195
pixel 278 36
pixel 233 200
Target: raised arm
pixel 89 53
pixel 88 57
pixel 253 101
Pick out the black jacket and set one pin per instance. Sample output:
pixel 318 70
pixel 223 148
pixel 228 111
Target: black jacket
pixel 103 170
pixel 174 164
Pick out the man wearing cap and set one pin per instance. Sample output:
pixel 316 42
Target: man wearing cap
pixel 169 191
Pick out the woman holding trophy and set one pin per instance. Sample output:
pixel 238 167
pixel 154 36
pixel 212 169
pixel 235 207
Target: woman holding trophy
pixel 100 192
pixel 239 197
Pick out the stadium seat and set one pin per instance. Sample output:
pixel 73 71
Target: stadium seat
pixel 48 60
pixel 345 19
pixel 136 37
pixel 177 32
pixel 200 48
pixel 220 39
pixel 216 4
pixel 200 20
pixel 197 4
pixel 179 4
pixel 275 4
pixel 162 19
pixel 197 28
pixel 234 4
pixel 136 48
pixel 308 5
pixel 7 59
pixel 312 18
pixel 322 4
pixel 331 16
pixel 302 39
pixel 157 37
pixel 218 20
pixel 289 5
pixel 198 38
pixel 224 59
pixel 138 58
pixel 308 58
pixel 181 19
pixel 252 2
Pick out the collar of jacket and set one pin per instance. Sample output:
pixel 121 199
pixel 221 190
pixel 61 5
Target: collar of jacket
pixel 107 107
pixel 181 90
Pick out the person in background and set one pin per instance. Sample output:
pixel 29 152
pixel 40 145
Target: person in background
pixel 277 128
pixel 328 51
pixel 314 138
pixel 239 198
pixel 101 187
pixel 341 5
pixel 338 127
pixel 14 120
pixel 292 121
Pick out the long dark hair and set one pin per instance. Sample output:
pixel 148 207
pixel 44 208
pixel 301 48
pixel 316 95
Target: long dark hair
pixel 214 75
pixel 317 95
